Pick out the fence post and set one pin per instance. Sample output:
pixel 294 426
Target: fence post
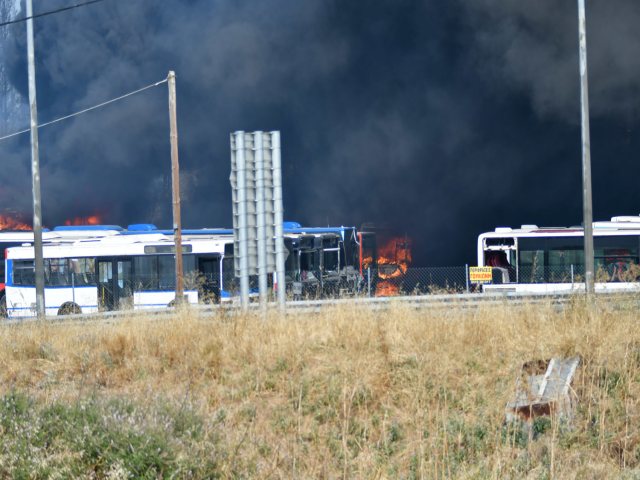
pixel 369 281
pixel 73 286
pixel 466 274
pixel 572 274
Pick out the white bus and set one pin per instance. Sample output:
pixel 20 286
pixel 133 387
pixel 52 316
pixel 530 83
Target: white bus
pixel 15 238
pixel 115 272
pixel 533 259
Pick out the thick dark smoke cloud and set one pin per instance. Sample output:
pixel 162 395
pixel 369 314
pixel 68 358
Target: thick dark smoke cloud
pixel 440 119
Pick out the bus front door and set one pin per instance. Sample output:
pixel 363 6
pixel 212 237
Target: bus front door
pixel 209 284
pixel 115 284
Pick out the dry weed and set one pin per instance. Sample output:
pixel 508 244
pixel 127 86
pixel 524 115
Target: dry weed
pixel 355 393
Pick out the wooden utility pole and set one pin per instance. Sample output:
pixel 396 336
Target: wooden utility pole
pixel 35 169
pixel 175 187
pixel 587 209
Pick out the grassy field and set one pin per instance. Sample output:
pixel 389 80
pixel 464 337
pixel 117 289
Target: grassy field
pixel 347 393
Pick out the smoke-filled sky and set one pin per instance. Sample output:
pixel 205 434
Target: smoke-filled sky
pixel 439 119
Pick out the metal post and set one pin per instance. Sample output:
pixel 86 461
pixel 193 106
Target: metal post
pixel 278 217
pixel 73 287
pixel 572 274
pixel 243 244
pixel 35 169
pixel 586 155
pixel 369 281
pixel 261 220
pixel 466 275
pixel 175 188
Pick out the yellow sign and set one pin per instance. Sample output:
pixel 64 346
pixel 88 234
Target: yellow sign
pixel 480 274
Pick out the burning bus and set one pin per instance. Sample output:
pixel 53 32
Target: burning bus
pixel 387 256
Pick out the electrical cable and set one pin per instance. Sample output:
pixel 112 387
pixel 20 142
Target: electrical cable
pixel 86 109
pixel 44 14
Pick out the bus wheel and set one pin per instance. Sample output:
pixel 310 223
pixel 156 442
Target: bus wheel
pixel 69 308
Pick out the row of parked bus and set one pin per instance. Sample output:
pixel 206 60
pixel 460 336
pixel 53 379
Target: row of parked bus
pixel 101 268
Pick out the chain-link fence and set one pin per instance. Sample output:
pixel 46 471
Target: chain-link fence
pixel 118 286
pixel 399 281
pixel 605 272
pixel 377 282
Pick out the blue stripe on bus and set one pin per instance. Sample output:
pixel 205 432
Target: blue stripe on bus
pixel 9 273
pixel 93 286
pixel 12 309
pixel 77 287
pixel 48 308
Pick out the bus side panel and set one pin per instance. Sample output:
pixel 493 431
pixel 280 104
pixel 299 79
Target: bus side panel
pixel 85 297
pixel 21 300
pixel 553 288
pixel 151 300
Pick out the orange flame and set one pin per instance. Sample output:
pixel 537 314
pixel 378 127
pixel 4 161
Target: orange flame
pixel 11 223
pixel 90 220
pixel 386 288
pixel 394 258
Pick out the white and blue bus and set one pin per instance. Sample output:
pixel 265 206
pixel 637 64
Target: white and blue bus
pixel 102 268
pixel 533 259
pixel 10 239
pixel 112 273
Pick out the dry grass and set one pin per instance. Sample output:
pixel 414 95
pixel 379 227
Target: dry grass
pixel 351 393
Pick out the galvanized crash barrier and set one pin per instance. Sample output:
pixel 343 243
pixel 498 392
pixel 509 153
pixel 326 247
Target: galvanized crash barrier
pixel 463 301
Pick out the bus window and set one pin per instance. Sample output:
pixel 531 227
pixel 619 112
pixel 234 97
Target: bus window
pixel 291 262
pixel 230 282
pixel 496 259
pixel 146 272
pixel 166 272
pixel 331 254
pixel 56 273
pixel 23 272
pixel 3 247
pixel 308 260
pixel 157 272
pixel 331 260
pixel 565 257
pixel 82 271
pixel 309 264
pixel 531 266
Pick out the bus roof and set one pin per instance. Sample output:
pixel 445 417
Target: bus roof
pixel 626 225
pixel 114 246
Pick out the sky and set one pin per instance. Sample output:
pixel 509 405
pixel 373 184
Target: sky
pixel 435 119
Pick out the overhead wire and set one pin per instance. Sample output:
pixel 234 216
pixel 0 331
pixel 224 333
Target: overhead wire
pixel 50 12
pixel 80 112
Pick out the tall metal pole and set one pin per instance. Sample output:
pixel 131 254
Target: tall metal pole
pixel 587 208
pixel 243 239
pixel 175 187
pixel 261 221
pixel 278 217
pixel 35 169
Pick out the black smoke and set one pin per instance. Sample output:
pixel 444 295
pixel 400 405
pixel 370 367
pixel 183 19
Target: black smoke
pixel 438 119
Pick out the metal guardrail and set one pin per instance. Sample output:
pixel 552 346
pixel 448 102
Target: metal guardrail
pixel 464 300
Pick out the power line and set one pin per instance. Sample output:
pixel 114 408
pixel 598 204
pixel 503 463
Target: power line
pixel 51 12
pixel 86 109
